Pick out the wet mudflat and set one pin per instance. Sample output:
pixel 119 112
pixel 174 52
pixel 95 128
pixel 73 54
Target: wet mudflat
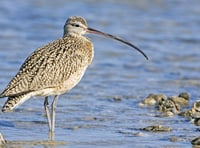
pixel 104 109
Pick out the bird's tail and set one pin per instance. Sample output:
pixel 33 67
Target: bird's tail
pixel 14 101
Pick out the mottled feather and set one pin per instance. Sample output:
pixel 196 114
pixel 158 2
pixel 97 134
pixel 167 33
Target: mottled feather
pixel 51 65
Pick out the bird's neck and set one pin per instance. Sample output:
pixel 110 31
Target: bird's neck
pixel 71 34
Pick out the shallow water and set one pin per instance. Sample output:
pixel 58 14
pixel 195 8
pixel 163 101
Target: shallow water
pixel 168 31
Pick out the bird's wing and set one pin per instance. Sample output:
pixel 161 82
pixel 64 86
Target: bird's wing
pixel 48 67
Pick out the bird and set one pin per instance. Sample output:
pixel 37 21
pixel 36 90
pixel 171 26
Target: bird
pixel 55 68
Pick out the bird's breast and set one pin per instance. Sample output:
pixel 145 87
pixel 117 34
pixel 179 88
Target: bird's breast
pixel 71 82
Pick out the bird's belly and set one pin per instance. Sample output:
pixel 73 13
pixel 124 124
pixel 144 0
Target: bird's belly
pixel 67 85
pixel 72 81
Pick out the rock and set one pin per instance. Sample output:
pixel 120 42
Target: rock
pixel 166 114
pixel 179 100
pixel 196 141
pixel 117 98
pixel 174 139
pixel 196 121
pixel 129 133
pixel 153 99
pixel 184 95
pixel 179 138
pixel 196 109
pixel 89 118
pixel 168 106
pixel 139 134
pixel 157 128
pixel 187 113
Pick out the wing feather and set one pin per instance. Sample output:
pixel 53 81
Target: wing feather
pixel 50 65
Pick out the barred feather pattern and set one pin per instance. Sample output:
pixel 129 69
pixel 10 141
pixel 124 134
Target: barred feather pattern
pixel 56 67
pixel 12 102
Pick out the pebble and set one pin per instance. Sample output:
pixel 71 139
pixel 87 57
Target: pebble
pixel 166 114
pixel 168 106
pixel 184 95
pixel 153 99
pixel 187 113
pixel 196 109
pixel 178 139
pixel 196 121
pixel 174 139
pixel 179 100
pixel 196 141
pixel 117 98
pixel 129 133
pixel 157 128
pixel 139 134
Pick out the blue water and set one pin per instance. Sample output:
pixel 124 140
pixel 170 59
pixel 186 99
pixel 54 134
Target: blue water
pixel 167 31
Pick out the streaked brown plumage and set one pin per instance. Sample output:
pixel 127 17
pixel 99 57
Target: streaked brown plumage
pixel 57 67
pixel 54 68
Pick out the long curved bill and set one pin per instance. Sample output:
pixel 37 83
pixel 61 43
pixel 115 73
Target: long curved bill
pixel 94 31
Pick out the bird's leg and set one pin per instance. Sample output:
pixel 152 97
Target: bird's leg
pixel 53 113
pixel 46 107
pixel 51 136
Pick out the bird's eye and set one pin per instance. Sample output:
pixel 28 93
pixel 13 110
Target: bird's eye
pixel 76 25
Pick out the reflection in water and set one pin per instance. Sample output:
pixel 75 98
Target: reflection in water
pixel 51 136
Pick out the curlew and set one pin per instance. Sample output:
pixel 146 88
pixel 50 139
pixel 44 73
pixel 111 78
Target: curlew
pixel 55 68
